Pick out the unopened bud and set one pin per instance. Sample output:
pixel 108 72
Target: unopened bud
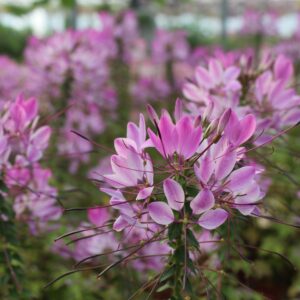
pixel 197 121
pixel 152 114
pixel 211 127
pixel 208 110
pixel 224 119
pixel 178 109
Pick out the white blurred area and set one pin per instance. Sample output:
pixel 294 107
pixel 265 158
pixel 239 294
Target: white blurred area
pixel 44 20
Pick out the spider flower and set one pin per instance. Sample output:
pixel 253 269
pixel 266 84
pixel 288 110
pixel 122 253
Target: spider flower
pixel 22 145
pixel 204 158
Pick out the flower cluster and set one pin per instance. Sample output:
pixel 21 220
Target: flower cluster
pixel 22 144
pixel 14 79
pixel 203 181
pixel 266 92
pixel 73 72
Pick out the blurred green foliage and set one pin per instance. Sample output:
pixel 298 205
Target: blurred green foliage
pixel 13 42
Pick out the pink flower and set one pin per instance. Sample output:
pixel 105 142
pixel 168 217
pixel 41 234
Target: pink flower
pixel 215 84
pixel 182 138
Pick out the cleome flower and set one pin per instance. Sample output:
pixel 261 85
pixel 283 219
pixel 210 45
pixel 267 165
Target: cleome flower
pixel 207 179
pixel 22 145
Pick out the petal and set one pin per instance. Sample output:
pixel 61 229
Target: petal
pixel 204 201
pixel 178 110
pixel 239 179
pixel 232 129
pixel 231 73
pixel 123 145
pixel 225 163
pixel 248 126
pixel 31 108
pixel 213 218
pixel 121 205
pixel 205 169
pixel 133 132
pixel 249 196
pixel 203 78
pixel 168 134
pixel 192 92
pixel 215 70
pixel 142 129
pixel 283 68
pixel 161 213
pixel 120 224
pixel 144 193
pixel 3 144
pixel 41 137
pixel 137 134
pixel 113 193
pixel 98 216
pixel 174 194
pixel 156 142
pixel 224 120
pixel 189 137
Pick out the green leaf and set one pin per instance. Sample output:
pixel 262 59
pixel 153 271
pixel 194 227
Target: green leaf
pixel 168 273
pixel 163 288
pixel 191 239
pixel 174 231
pixel 179 254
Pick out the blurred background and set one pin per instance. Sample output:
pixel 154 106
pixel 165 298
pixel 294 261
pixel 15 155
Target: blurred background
pixel 32 31
pixel 212 19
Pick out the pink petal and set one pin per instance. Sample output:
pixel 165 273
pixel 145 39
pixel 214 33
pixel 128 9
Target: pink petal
pixel 123 145
pixel 174 194
pixel 161 213
pixel 41 137
pixel 152 114
pixel 283 68
pixel 144 193
pixel 189 137
pixel 3 144
pixel 192 92
pixel 231 73
pixel 113 193
pixel 224 120
pixel 213 218
pixel 98 216
pixel 239 179
pixel 249 196
pixel 215 70
pixel 203 78
pixel 18 115
pixel 204 201
pixel 168 134
pixel 31 108
pixel 132 132
pixel 178 110
pixel 232 129
pixel 121 205
pixel 33 153
pixel 156 142
pixel 120 224
pixel 205 169
pixel 137 134
pixel 248 126
pixel 225 163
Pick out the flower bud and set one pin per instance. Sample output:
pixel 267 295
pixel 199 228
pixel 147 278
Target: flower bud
pixel 211 127
pixel 208 110
pixel 152 114
pixel 224 119
pixel 178 109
